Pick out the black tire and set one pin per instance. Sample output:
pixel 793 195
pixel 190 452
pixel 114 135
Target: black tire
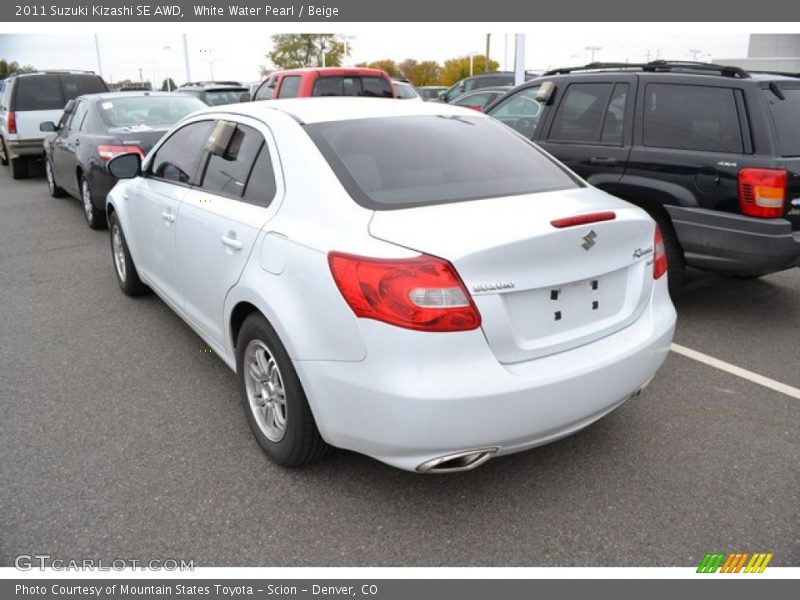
pixel 52 186
pixel 128 281
pixel 301 442
pixel 675 259
pixel 18 168
pixel 3 153
pixel 95 219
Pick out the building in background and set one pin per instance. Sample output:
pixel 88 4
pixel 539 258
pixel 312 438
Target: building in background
pixel 769 52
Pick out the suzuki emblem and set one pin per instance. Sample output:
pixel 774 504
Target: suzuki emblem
pixel 588 240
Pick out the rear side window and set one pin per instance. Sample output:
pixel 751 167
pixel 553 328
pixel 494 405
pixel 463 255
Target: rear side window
pixel 38 92
pixel 289 87
pixel 398 162
pixel 78 85
pixel 78 117
pixel 691 117
pixel 352 86
pixel 227 174
pixel 786 114
pixel 178 158
pixel 260 189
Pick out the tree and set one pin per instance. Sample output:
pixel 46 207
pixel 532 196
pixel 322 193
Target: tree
pixel 387 65
pixel 407 67
pixel 9 68
pixel 458 68
pixel 428 72
pixel 168 85
pixel 293 50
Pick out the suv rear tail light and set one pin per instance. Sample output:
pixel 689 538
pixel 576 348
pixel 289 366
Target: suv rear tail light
pixel 762 192
pixel 423 293
pixel 108 152
pixel 660 265
pixel 12 122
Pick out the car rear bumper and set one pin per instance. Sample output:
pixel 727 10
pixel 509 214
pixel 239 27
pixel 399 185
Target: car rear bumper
pixel 421 396
pixel 734 243
pixel 25 148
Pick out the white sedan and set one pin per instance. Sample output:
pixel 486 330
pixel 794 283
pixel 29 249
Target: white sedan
pixel 412 281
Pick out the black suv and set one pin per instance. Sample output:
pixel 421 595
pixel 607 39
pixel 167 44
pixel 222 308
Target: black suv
pixel 711 152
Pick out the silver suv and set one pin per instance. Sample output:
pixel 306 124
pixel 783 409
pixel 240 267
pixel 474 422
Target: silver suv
pixel 29 99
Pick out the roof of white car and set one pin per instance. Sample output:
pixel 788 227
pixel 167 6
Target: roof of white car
pixel 318 110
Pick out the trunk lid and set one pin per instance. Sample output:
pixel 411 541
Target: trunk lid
pixel 539 289
pixel 138 135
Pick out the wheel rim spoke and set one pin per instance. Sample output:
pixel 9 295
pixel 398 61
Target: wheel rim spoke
pixel 264 386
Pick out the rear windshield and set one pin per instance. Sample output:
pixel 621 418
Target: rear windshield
pixel 786 114
pixel 147 111
pixel 217 97
pixel 352 86
pixel 398 162
pixel 51 92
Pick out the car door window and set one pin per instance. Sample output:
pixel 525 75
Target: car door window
pixel 226 174
pixel 691 117
pixel 521 111
pixel 289 87
pixel 260 188
pixel 177 158
pixel 267 90
pixel 477 99
pixel 615 116
pixel 78 117
pixel 580 115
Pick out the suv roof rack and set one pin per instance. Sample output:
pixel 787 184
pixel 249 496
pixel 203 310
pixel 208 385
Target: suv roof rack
pixel 51 71
pixel 658 65
pixel 781 73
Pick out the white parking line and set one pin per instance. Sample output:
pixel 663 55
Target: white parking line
pixel 738 371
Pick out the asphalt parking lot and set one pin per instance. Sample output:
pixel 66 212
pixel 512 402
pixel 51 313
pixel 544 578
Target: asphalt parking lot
pixel 120 438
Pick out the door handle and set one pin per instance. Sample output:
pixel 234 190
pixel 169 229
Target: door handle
pixel 231 242
pixel 168 217
pixel 605 161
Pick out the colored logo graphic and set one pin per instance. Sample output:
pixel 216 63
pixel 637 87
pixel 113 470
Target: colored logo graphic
pixel 734 562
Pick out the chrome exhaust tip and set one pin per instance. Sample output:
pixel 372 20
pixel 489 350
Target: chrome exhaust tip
pixel 458 462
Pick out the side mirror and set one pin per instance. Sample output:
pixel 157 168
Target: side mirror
pixel 125 166
pixel 545 92
pixel 48 127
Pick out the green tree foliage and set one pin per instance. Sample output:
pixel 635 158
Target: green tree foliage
pixel 458 68
pixel 295 50
pixel 387 65
pixel 9 68
pixel 427 72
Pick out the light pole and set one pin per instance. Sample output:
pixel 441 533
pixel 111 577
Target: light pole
pixel 472 62
pixel 205 55
pixel 593 49
pixel 694 52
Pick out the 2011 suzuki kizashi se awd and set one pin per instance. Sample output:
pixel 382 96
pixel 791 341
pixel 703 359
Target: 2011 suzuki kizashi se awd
pixel 412 281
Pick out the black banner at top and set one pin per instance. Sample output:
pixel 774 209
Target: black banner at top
pixel 322 11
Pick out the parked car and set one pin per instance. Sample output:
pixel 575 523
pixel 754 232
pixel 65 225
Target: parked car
pixel 326 81
pixel 215 93
pixel 405 91
pixel 408 280
pixel 477 82
pixel 711 152
pixel 430 92
pixel 480 99
pixel 27 99
pixel 97 127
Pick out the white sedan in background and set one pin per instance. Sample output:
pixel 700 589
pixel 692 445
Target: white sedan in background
pixel 412 281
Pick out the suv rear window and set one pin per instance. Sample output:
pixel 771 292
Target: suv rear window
pixel 691 117
pixel 786 114
pixel 51 92
pixel 352 86
pixel 398 162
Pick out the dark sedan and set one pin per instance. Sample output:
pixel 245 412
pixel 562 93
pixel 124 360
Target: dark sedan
pixel 97 127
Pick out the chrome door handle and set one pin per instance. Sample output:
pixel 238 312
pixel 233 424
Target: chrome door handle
pixel 231 242
pixel 168 217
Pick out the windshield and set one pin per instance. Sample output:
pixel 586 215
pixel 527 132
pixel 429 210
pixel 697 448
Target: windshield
pixel 405 91
pixel 397 162
pixel 150 111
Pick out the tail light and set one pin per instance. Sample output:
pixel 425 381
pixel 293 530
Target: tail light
pixel 762 192
pixel 423 293
pixel 108 152
pixel 607 215
pixel 659 255
pixel 12 122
